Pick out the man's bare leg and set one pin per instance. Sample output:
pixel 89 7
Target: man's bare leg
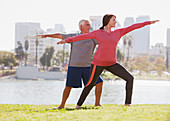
pixel 66 94
pixel 98 92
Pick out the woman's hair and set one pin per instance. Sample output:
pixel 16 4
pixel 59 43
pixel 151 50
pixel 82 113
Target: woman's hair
pixel 106 20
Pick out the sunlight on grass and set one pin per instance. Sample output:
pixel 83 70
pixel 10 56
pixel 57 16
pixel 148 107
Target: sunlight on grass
pixel 87 112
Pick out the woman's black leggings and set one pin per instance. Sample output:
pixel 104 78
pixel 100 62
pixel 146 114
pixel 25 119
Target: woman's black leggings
pixel 115 69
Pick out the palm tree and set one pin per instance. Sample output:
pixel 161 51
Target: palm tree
pixel 26 48
pixel 129 45
pixel 124 44
pixel 128 38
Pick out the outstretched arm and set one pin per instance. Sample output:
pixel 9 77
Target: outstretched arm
pixel 152 22
pixel 90 35
pixel 57 35
pixel 126 30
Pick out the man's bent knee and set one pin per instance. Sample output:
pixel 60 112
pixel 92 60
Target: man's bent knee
pixel 99 84
pixel 68 88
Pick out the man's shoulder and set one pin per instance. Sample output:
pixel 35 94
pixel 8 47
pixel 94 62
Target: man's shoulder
pixel 86 41
pixel 69 35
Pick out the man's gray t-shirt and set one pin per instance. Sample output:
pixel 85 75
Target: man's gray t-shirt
pixel 81 51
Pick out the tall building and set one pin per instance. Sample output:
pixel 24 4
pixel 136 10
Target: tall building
pixel 43 43
pixel 96 22
pixel 168 37
pixel 59 28
pixel 168 49
pixel 142 37
pixel 129 21
pixel 22 29
pixel 28 31
pixel 158 50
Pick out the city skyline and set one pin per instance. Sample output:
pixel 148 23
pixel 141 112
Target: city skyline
pixel 58 12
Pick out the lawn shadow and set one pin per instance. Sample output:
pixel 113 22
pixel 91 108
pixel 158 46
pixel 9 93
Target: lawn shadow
pixel 74 109
pixel 66 109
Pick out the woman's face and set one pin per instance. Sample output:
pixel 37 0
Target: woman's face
pixel 112 22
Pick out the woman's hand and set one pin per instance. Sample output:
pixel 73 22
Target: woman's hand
pixel 61 42
pixel 152 22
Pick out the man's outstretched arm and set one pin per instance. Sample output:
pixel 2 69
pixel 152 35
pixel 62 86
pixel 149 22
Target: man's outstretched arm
pixel 57 35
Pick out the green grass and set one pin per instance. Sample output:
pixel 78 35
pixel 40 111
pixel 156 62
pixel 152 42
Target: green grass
pixel 110 112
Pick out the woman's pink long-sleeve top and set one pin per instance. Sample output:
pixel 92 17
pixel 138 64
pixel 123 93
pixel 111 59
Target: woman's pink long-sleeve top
pixel 106 52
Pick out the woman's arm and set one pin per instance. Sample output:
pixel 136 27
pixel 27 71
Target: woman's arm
pixel 90 35
pixel 126 30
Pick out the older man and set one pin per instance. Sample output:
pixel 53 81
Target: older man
pixel 80 62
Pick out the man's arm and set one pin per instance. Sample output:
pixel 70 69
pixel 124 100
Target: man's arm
pixel 57 35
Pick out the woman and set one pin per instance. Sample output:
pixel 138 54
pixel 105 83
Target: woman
pixel 105 56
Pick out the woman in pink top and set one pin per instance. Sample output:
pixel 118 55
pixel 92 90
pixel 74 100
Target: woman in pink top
pixel 105 56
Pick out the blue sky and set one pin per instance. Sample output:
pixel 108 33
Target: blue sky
pixel 68 13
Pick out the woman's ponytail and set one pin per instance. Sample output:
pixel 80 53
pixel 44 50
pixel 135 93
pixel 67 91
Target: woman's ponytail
pixel 102 27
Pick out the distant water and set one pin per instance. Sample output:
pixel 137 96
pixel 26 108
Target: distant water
pixel 50 92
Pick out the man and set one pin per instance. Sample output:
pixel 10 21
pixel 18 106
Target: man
pixel 80 62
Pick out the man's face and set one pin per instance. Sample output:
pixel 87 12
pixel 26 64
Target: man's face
pixel 85 27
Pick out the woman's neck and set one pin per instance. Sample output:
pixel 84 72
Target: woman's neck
pixel 107 29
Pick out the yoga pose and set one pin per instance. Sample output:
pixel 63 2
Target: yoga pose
pixel 105 57
pixel 79 64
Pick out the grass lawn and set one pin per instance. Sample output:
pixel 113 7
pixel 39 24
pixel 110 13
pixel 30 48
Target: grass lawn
pixel 110 112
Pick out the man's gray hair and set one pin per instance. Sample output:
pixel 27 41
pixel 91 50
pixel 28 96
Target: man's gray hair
pixel 81 22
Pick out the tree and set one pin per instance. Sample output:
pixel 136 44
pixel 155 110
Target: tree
pixel 127 39
pixel 143 64
pixel 119 55
pixel 59 57
pixel 160 65
pixel 67 54
pixel 45 60
pixel 7 58
pixel 132 66
pixel 26 48
pixel 19 52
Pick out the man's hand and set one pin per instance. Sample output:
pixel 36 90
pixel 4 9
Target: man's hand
pixel 42 36
pixel 61 42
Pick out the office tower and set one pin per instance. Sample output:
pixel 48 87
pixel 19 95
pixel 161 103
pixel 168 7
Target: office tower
pixel 59 28
pixel 28 31
pixel 128 21
pixel 158 50
pixel 96 22
pixel 130 36
pixel 168 49
pixel 142 37
pixel 168 37
pixel 22 29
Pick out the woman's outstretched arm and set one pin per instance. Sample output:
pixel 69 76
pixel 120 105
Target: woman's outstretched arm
pixel 126 30
pixel 91 35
